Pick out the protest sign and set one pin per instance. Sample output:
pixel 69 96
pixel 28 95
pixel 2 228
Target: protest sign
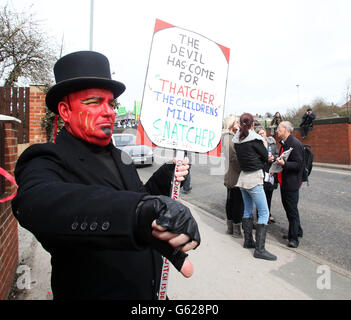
pixel 184 93
pixel 183 100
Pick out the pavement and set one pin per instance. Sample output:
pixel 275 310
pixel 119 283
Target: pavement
pixel 223 270
pixel 332 166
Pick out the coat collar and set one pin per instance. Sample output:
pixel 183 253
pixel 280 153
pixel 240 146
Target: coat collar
pixel 251 137
pixel 287 140
pixel 85 157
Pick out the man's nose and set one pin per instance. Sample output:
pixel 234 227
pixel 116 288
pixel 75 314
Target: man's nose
pixel 108 110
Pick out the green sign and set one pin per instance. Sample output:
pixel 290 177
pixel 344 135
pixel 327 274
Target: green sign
pixel 121 111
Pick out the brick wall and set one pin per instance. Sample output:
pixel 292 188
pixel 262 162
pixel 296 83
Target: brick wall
pixel 330 140
pixel 36 113
pixel 8 224
pixel 330 143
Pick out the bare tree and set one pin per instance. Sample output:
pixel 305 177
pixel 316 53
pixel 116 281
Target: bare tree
pixel 25 49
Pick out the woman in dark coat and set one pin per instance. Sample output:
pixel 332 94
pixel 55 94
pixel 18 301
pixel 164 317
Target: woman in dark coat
pixel 277 119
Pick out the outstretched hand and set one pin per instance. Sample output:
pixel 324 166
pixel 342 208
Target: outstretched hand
pixel 177 241
pixel 168 226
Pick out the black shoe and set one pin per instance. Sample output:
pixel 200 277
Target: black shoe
pixel 293 244
pixel 271 220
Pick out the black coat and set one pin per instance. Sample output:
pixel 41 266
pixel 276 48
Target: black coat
pixel 251 152
pixel 86 221
pixel 307 120
pixel 293 168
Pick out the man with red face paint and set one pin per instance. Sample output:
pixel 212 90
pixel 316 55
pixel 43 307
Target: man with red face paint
pixel 89 115
pixel 104 228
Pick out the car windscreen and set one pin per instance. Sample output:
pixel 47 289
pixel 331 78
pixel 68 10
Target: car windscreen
pixel 124 140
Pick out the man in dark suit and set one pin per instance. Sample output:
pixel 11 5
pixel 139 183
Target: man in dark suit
pixel 307 122
pixel 290 180
pixel 104 228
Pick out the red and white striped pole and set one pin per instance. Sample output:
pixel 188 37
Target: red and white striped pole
pixel 175 195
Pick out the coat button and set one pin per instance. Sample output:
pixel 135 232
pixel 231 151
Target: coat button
pixel 93 226
pixel 83 226
pixel 105 226
pixel 74 225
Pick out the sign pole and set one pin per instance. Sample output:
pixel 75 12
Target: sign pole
pixel 175 195
pixel 183 99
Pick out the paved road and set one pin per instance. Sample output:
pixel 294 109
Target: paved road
pixel 325 206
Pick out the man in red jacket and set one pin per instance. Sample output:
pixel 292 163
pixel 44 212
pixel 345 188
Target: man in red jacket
pixel 290 180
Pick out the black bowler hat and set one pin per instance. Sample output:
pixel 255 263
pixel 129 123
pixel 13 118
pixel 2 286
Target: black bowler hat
pixel 78 71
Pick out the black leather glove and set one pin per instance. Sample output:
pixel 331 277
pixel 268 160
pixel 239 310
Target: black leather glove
pixel 170 214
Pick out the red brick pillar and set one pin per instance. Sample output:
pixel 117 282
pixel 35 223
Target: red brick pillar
pixel 8 223
pixel 37 134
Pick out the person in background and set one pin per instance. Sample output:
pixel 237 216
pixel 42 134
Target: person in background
pixel 275 122
pixel 252 156
pixel 271 146
pixel 307 122
pixel 256 123
pixel 290 180
pixel 186 186
pixel 234 203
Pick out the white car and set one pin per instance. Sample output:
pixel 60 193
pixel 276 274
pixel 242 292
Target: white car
pixel 140 154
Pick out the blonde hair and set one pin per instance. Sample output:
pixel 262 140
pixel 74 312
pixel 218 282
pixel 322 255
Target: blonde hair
pixel 259 128
pixel 230 121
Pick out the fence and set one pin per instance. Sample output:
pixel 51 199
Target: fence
pixel 14 102
pixel 2 157
pixel 8 223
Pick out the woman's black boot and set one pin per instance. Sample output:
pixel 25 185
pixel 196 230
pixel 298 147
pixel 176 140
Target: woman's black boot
pixel 260 251
pixel 249 242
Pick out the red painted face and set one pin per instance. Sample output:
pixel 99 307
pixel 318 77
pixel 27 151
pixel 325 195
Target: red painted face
pixel 89 115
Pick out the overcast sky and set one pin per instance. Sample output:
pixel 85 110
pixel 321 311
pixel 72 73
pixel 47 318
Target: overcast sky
pixel 275 44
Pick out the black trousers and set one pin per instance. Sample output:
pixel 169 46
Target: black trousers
pixel 235 205
pixel 290 201
pixel 304 130
pixel 269 193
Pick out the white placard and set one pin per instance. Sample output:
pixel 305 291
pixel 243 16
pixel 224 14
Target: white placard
pixel 184 94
